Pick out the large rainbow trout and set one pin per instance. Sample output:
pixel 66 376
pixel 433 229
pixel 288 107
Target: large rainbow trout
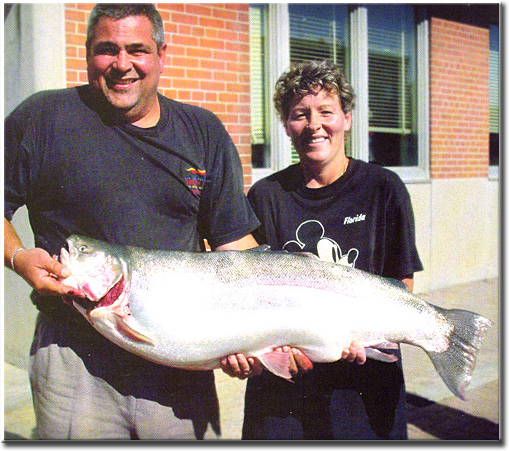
pixel 188 310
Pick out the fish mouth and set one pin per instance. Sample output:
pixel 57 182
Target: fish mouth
pixel 108 299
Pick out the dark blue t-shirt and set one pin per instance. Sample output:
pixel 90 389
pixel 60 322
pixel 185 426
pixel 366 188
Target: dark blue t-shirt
pixel 165 187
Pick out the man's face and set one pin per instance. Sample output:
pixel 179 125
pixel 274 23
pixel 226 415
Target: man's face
pixel 124 64
pixel 316 125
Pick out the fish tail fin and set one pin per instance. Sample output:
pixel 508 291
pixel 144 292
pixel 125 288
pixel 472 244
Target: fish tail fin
pixel 456 364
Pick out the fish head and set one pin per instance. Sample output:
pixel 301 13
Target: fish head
pixel 96 267
pixel 100 272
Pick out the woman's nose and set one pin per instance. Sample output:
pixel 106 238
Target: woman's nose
pixel 313 122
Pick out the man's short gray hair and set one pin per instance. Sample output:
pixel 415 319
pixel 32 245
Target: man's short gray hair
pixel 119 11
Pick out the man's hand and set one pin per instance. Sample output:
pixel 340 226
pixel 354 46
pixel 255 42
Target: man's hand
pixel 238 365
pixel 43 272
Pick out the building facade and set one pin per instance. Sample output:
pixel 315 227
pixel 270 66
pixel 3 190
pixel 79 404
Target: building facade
pixel 425 76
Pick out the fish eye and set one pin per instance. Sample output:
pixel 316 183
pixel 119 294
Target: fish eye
pixel 83 248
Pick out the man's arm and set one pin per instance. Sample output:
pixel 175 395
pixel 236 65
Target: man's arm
pixel 36 266
pixel 409 280
pixel 242 244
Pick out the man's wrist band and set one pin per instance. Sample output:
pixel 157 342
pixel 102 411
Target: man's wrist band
pixel 14 255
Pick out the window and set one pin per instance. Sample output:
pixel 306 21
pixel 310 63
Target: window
pixel 392 85
pixel 383 49
pixel 318 31
pixel 494 97
pixel 257 45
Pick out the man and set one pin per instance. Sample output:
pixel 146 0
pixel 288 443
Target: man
pixel 345 211
pixel 115 160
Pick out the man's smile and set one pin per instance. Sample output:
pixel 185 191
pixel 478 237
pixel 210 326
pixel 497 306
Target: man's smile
pixel 120 84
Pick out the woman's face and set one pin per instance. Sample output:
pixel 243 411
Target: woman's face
pixel 316 125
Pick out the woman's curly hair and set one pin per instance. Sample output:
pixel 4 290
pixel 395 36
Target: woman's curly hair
pixel 307 77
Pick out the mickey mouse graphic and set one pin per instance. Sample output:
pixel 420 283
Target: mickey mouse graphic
pixel 310 237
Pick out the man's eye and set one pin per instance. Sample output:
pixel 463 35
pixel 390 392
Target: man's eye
pixel 106 51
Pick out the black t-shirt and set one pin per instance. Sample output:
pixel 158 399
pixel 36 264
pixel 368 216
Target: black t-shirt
pixel 364 219
pixel 165 187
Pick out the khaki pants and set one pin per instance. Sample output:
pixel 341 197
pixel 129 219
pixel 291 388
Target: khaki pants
pixel 71 403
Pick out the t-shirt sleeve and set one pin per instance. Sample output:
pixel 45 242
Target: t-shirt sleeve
pixel 16 168
pixel 225 213
pixel 257 204
pixel 402 257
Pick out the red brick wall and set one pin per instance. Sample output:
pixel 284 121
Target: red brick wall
pixel 459 106
pixel 207 61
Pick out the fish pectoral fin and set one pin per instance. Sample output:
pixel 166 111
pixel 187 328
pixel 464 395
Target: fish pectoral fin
pixel 278 363
pixel 129 332
pixel 375 354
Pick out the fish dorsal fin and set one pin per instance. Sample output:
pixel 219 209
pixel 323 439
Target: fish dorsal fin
pixel 261 248
pixel 128 332
pixel 278 363
pixel 397 283
pixel 266 248
pixel 306 255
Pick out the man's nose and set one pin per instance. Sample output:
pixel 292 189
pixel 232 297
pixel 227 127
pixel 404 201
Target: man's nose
pixel 122 61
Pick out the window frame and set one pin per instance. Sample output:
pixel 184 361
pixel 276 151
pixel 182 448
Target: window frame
pixel 493 170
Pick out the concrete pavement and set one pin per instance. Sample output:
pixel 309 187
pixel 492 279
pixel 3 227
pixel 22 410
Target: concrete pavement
pixel 433 413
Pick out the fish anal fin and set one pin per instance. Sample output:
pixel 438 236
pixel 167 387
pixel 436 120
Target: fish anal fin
pixel 385 345
pixel 129 332
pixel 375 354
pixel 278 363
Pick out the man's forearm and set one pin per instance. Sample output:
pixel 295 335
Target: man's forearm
pixel 11 243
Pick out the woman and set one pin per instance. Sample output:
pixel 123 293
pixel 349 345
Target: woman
pixel 343 210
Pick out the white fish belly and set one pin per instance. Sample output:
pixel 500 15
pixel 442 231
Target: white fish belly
pixel 197 331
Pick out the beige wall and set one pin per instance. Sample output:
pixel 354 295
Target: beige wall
pixel 26 33
pixel 457 231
